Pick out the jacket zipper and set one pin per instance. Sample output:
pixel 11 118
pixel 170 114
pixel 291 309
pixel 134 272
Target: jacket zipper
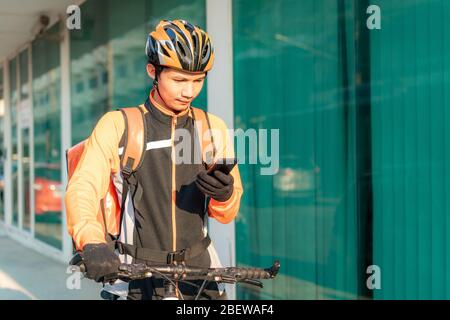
pixel 174 187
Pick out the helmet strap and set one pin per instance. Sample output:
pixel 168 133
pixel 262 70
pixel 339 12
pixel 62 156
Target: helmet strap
pixel 159 94
pixel 158 70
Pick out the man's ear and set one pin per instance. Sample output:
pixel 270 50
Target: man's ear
pixel 151 70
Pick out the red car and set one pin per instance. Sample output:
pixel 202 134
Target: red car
pixel 48 190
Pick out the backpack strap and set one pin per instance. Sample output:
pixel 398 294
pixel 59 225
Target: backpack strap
pixel 135 144
pixel 134 135
pixel 203 117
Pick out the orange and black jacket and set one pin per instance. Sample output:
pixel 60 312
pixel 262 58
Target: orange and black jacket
pixel 164 207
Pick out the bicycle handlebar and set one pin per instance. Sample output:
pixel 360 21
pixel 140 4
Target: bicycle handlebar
pixel 184 272
pixel 128 272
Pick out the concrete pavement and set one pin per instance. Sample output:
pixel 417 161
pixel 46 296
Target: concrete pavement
pixel 26 274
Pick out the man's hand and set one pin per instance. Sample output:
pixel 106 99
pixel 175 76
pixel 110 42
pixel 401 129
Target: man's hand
pixel 219 186
pixel 100 261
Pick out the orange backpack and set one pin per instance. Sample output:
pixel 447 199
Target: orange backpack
pixel 110 213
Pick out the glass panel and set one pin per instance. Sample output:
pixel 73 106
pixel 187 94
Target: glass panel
pixel 363 117
pixel 410 81
pixel 108 60
pixel 24 115
pixel 14 140
pixel 289 74
pixel 26 178
pixel 47 138
pixel 24 84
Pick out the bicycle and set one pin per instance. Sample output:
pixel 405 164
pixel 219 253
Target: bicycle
pixel 180 272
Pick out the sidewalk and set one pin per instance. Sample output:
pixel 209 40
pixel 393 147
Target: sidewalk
pixel 25 274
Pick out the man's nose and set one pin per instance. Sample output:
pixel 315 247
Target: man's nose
pixel 188 90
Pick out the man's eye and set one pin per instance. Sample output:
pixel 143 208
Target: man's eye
pixel 178 80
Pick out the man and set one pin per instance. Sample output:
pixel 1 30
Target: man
pixel 164 204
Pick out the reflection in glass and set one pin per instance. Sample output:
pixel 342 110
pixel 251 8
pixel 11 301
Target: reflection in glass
pixel 23 116
pixel 364 147
pixel 47 139
pixel 289 75
pixel 24 85
pixel 410 85
pixel 14 141
pixel 26 178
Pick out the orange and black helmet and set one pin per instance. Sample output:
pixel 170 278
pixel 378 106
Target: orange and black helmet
pixel 180 45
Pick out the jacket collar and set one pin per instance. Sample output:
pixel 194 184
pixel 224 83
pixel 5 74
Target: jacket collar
pixel 163 114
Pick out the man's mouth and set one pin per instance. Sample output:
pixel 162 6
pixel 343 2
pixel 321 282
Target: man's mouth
pixel 183 101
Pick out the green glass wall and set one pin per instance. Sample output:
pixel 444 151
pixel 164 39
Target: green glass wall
pixel 292 72
pixel 108 56
pixel 410 63
pixel 363 123
pixel 47 137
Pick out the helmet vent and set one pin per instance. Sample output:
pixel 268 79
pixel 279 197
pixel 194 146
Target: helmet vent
pixel 180 47
pixel 164 51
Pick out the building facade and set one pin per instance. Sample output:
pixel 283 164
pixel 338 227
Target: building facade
pixel 358 90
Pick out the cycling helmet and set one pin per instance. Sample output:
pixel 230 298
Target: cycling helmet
pixel 180 45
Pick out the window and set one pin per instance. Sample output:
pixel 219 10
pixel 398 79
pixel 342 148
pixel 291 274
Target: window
pixel 47 139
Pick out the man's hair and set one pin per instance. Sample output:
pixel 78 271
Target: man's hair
pixel 158 70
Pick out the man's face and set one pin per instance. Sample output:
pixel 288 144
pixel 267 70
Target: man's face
pixel 178 88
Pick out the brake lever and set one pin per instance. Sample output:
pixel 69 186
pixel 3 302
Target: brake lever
pixel 228 279
pixel 253 282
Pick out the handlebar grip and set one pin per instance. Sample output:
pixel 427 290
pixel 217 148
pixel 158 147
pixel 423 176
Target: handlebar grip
pixel 252 273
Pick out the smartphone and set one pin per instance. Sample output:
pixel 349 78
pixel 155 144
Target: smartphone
pixel 223 165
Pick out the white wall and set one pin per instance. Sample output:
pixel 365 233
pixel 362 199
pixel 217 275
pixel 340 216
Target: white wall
pixel 220 102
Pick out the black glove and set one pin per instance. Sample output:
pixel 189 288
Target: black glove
pixel 219 186
pixel 99 261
